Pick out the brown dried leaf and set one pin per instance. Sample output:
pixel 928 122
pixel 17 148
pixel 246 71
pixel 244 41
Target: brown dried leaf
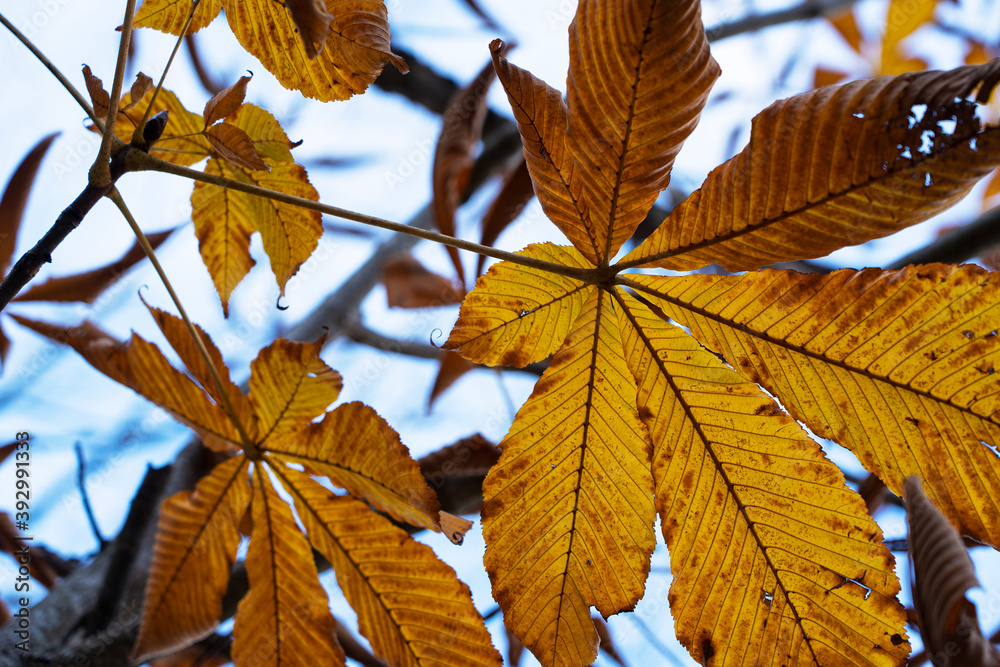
pixel 454 527
pixel 453 158
pixel 7 450
pixel 235 146
pixel 514 649
pixel 409 285
pixel 99 97
pixel 942 573
pixel 313 23
pixel 607 645
pixel 514 195
pixel 452 367
pixel 142 85
pixel 456 473
pixel 87 286
pixel 225 101
pixel 15 199
pixel 13 543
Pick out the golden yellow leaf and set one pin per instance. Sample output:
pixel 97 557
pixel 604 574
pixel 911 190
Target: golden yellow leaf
pixel 411 606
pixel 517 315
pixel 833 167
pixel 568 509
pixel 176 333
pixel 847 26
pixel 269 139
pixel 626 136
pixel 140 366
pixel 181 142
pixel 290 386
pixel 360 452
pixel 169 16
pixel 899 366
pixel 775 561
pixel 904 17
pixel 355 51
pixel 285 618
pixel 235 147
pixel 224 221
pixel 196 542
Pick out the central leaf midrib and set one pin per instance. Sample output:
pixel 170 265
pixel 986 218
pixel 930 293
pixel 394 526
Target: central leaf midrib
pixel 583 455
pixel 778 342
pixel 785 215
pixel 348 557
pixel 619 173
pixel 775 571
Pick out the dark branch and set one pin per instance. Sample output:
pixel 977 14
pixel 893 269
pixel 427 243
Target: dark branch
pixel 972 240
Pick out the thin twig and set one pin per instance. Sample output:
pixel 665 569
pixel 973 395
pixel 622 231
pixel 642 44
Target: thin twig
pixel 81 472
pixel 801 12
pixel 100 172
pixel 70 88
pixel 248 445
pixel 137 136
pixel 139 161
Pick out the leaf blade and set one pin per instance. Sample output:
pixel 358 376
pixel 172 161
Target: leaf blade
pixel 411 606
pixel 640 75
pixel 355 52
pixel 823 170
pixel 285 617
pixel 877 361
pixel 767 544
pixel 196 542
pixel 568 509
pixel 360 452
pixel 517 315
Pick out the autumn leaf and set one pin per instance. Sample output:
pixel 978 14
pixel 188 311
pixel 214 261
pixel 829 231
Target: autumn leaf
pixel 271 434
pixel 942 574
pixel 462 127
pixel 87 286
pixel 353 39
pixel 12 206
pixel 904 17
pixel 99 97
pixel 775 561
pixel 250 147
pixel 408 284
pixel 225 102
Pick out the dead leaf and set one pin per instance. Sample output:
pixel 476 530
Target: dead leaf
pixel 942 573
pixel 235 146
pixel 451 367
pixel 226 101
pixel 453 158
pixel 313 23
pixel 409 285
pixel 456 473
pixel 514 195
pixel 99 97
pixel 143 84
pixel 15 199
pixel 87 286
